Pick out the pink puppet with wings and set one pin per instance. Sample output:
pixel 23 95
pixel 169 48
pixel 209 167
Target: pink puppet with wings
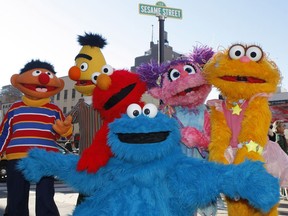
pixel 182 91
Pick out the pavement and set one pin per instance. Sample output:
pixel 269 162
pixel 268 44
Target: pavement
pixel 66 198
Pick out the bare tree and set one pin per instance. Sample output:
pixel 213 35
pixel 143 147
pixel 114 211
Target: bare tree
pixel 9 94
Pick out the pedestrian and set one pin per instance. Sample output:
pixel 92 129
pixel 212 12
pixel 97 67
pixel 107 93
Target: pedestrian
pixel 271 134
pixel 279 128
pixel 33 122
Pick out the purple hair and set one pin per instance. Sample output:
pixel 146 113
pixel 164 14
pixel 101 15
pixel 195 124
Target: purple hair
pixel 151 73
pixel 201 55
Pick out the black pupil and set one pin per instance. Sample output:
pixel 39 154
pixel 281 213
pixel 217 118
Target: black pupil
pixel 189 70
pixel 253 54
pixel 146 111
pixel 105 70
pixel 176 74
pixel 82 66
pixel 238 53
pixel 135 112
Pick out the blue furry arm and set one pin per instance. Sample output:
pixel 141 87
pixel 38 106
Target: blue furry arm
pixel 41 163
pixel 250 180
pixel 201 182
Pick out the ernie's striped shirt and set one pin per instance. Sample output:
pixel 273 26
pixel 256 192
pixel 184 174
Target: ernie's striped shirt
pixel 25 127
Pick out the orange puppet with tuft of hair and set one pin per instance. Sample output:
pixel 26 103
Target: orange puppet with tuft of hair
pixel 246 78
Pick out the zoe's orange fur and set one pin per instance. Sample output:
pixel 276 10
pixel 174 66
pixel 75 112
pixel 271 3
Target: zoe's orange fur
pixel 241 73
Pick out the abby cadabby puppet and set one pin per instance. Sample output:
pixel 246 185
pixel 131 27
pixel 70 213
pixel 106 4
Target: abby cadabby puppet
pixel 182 90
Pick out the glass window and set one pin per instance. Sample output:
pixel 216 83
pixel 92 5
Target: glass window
pixel 65 94
pixel 73 93
pixel 64 110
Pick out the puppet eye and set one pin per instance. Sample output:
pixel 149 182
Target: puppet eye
pixel 189 69
pixel 94 77
pixel 83 66
pixel 133 110
pixel 36 73
pixel 107 69
pixel 254 53
pixel 50 74
pixel 150 110
pixel 173 74
pixel 236 51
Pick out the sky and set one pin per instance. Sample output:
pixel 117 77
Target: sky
pixel 48 30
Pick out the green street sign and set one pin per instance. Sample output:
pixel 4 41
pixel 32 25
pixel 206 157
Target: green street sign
pixel 160 9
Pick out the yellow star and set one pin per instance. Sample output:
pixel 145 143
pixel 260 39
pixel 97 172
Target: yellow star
pixel 236 110
pixel 253 146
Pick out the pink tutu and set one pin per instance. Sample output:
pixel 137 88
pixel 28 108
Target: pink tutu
pixel 276 161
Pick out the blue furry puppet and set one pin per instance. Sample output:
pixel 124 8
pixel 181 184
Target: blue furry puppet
pixel 149 175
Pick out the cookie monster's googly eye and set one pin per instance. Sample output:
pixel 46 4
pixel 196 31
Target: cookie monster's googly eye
pixel 189 69
pixel 50 74
pixel 94 77
pixel 236 51
pixel 254 53
pixel 36 73
pixel 133 110
pixel 150 110
pixel 83 66
pixel 173 74
pixel 107 69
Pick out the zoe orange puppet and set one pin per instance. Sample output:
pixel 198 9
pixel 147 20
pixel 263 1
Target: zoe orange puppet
pixel 245 78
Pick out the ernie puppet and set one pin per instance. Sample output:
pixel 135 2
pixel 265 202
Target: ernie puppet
pixel 245 78
pixel 33 122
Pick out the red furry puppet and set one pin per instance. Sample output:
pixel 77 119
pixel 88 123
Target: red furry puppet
pixel 111 97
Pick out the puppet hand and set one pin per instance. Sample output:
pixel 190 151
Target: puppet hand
pixel 63 127
pixel 243 154
pixel 256 185
pixel 92 161
pixel 192 137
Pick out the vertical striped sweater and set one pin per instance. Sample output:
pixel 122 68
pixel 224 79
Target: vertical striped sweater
pixel 25 127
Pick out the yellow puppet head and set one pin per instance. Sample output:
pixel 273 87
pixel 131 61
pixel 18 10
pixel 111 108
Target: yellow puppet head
pixel 89 63
pixel 242 71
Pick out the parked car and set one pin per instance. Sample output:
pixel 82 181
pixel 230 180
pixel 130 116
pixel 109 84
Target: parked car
pixel 3 162
pixel 3 168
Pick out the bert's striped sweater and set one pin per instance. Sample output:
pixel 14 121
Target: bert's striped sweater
pixel 27 125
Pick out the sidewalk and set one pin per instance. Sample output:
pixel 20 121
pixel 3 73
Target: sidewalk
pixel 65 203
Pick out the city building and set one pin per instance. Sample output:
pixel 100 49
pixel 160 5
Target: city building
pixel 153 53
pixel 67 98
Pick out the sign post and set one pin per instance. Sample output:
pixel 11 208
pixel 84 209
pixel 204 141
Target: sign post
pixel 161 11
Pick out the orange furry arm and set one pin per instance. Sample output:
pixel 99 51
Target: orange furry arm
pixel 220 136
pixel 255 126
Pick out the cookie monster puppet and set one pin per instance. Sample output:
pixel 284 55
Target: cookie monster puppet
pixel 182 89
pixel 149 175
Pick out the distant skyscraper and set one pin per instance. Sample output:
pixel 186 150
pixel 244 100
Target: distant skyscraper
pixel 152 53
